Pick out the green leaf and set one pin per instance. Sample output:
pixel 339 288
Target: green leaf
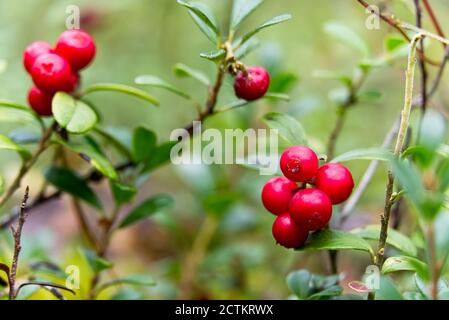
pixel 405 263
pixel 89 154
pixel 144 144
pixel 283 81
pixel 214 55
pixel 73 115
pixel 369 96
pixel 119 145
pixel 7 144
pixel 68 181
pixel 393 42
pixel 433 130
pixel 204 18
pixel 327 293
pixel 347 36
pixel 394 239
pixel 333 75
pixel 122 193
pixel 277 96
pixel 241 9
pixel 299 283
pixel 288 128
pixel 122 89
pixel 336 240
pixel 273 21
pixel 96 263
pixel 15 106
pixel 133 280
pixel 248 47
pixel 365 154
pixel 182 70
pixel 153 81
pixel 147 208
pixel 160 156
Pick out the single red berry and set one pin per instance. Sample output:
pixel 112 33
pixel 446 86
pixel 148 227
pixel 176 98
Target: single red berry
pixel 277 193
pixel 52 73
pixel 299 163
pixel 336 181
pixel 311 208
pixel 33 51
pixel 77 46
pixel 287 233
pixel 253 84
pixel 40 101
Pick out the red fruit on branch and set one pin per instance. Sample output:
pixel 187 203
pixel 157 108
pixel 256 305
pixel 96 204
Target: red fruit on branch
pixel 52 73
pixel 33 51
pixel 299 163
pixel 287 233
pixel 311 208
pixel 252 84
pixel 336 181
pixel 40 101
pixel 277 193
pixel 78 47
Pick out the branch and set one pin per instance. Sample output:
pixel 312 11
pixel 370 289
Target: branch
pixel 434 19
pixel 17 234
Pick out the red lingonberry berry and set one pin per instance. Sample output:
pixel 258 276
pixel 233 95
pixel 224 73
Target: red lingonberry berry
pixel 287 233
pixel 299 163
pixel 40 101
pixel 252 84
pixel 78 47
pixel 336 181
pixel 33 51
pixel 52 73
pixel 277 193
pixel 311 208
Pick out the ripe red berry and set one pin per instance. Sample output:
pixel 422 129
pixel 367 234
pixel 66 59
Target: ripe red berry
pixel 299 163
pixel 52 73
pixel 287 233
pixel 277 193
pixel 253 84
pixel 33 51
pixel 77 46
pixel 40 101
pixel 336 181
pixel 311 208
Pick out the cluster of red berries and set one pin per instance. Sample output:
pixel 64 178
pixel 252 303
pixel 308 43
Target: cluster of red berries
pixel 251 84
pixel 56 69
pixel 300 209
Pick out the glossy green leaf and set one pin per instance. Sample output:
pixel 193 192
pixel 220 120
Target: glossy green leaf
pixel 347 36
pixel 153 81
pixel 89 154
pixel 327 293
pixel 393 42
pixel 273 21
pixel 68 181
pixel 365 154
pixel 395 238
pixel 147 208
pixel 121 88
pixel 405 263
pixel 204 18
pixel 144 144
pixel 214 55
pixel 336 240
pixel 122 193
pixel 73 115
pixel 241 9
pixel 114 141
pixel 299 283
pixel 160 156
pixel 96 263
pixel 182 70
pixel 288 127
pixel 7 144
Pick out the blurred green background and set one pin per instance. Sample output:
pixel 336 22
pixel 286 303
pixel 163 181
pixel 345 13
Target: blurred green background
pixel 148 37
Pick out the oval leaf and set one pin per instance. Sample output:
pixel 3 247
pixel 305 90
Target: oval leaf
pixel 122 193
pixel 273 21
pixel 336 240
pixel 288 128
pixel 182 70
pixel 144 144
pixel 214 55
pixel 153 81
pixel 96 263
pixel 204 18
pixel 365 154
pixel 241 9
pixel 404 263
pixel 299 283
pixel 7 144
pixel 122 89
pixel 146 209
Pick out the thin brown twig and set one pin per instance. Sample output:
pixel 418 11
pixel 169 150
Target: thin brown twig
pixel 434 20
pixel 17 235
